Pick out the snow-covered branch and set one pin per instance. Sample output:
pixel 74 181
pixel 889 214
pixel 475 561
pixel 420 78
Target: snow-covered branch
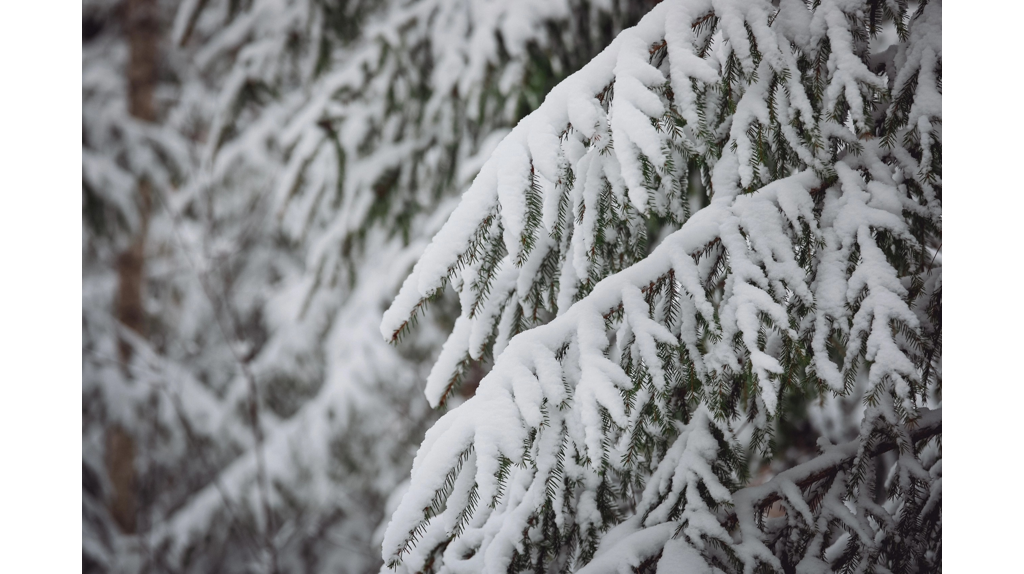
pixel 804 274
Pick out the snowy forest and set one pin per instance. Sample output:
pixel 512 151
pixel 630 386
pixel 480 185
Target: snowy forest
pixel 485 286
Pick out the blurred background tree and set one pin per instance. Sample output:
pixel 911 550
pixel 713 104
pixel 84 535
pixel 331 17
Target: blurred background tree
pixel 257 179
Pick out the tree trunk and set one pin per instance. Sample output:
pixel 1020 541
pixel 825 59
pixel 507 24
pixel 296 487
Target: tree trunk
pixel 121 470
pixel 142 26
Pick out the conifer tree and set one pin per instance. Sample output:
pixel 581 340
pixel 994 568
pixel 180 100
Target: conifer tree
pixel 650 349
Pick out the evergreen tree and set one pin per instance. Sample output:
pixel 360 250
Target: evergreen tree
pixel 725 226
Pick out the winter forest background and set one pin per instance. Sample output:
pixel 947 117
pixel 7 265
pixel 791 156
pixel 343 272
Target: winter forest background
pixel 662 279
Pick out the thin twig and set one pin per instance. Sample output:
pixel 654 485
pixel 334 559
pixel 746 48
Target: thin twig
pixel 254 411
pixel 807 474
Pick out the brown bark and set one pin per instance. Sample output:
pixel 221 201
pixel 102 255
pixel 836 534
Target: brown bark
pixel 131 276
pixel 142 27
pixel 121 470
pixel 142 24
